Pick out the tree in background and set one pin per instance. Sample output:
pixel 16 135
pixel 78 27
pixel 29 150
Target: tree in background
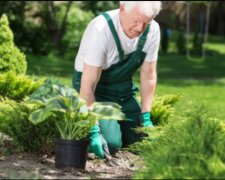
pixel 199 37
pixel 76 23
pixel 180 41
pixel 11 58
pixel 29 31
pixel 56 28
pixel 41 27
pixel 99 6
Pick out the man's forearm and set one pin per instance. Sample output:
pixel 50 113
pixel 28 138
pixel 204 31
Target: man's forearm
pixel 87 95
pixel 89 81
pixel 147 94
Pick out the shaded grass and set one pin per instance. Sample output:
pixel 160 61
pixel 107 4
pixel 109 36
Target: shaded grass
pixel 177 67
pixel 51 66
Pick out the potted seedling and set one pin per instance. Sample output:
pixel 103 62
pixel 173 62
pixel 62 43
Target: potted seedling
pixel 73 123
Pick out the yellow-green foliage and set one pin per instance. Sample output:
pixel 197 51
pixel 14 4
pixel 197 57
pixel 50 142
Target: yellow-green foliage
pixel 11 58
pixel 162 108
pixel 16 87
pixel 190 147
pixel 26 136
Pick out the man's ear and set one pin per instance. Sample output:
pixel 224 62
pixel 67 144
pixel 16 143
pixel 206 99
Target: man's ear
pixel 122 8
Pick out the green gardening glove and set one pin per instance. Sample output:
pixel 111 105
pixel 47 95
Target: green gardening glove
pixel 145 119
pixel 97 142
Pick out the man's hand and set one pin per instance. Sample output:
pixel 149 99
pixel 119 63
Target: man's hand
pixel 98 145
pixel 145 119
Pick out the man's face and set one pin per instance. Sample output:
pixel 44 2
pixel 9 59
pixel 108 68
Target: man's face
pixel 133 22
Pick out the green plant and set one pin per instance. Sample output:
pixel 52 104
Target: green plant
pixel 46 90
pixel 11 58
pixel 162 108
pixel 76 119
pixel 190 147
pixel 17 87
pixel 25 135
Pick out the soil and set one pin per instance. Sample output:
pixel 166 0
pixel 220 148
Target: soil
pixel 15 165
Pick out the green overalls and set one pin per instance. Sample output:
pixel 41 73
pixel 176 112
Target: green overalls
pixel 116 85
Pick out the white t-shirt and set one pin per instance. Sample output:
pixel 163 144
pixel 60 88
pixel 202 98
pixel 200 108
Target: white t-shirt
pixel 98 47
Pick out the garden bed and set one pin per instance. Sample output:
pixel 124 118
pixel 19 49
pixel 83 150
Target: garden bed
pixel 30 166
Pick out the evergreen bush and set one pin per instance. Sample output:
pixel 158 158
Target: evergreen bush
pixel 26 136
pixel 11 58
pixel 190 147
pixel 17 87
pixel 162 110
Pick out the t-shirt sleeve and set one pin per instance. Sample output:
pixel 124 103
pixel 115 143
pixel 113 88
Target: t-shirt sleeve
pixel 153 48
pixel 95 47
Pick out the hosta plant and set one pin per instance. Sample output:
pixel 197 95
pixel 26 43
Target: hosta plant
pixel 75 118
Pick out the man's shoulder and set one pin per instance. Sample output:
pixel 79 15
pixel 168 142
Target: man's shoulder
pixel 154 26
pixel 100 23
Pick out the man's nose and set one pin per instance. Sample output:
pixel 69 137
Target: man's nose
pixel 140 27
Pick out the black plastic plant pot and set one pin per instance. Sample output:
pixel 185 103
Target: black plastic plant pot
pixel 71 153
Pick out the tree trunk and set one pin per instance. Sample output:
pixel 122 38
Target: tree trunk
pixel 62 28
pixel 56 31
pixel 206 29
pixel 187 29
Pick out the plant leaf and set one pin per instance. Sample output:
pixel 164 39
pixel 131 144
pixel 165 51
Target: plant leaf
pixel 56 104
pixel 108 110
pixel 39 115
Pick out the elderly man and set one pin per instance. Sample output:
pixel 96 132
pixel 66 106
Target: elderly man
pixel 114 46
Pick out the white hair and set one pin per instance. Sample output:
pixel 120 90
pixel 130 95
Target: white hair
pixel 148 8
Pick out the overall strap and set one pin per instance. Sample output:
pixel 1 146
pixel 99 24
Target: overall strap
pixel 115 35
pixel 143 38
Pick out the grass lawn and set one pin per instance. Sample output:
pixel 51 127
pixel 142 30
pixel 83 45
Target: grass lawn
pixel 51 66
pixel 201 82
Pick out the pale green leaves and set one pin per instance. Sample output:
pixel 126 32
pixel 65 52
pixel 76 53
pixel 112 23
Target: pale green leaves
pixel 108 110
pixel 76 119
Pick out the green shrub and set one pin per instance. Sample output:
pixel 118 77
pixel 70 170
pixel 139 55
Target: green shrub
pixel 11 58
pixel 191 147
pixel 17 87
pixel 26 136
pixel 14 115
pixel 162 108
